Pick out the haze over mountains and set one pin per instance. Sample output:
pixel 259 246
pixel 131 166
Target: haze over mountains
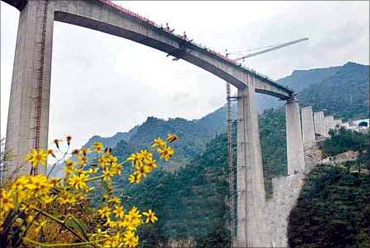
pixel 341 90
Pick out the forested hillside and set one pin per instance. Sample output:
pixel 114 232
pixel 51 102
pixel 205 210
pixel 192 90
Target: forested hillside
pixel 189 203
pixel 344 95
pixel 333 208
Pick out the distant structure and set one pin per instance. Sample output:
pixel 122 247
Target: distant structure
pixel 357 125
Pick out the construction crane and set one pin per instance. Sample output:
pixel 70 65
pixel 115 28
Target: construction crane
pixel 269 49
pixel 229 130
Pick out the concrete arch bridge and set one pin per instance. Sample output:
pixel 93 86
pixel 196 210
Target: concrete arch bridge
pixel 28 118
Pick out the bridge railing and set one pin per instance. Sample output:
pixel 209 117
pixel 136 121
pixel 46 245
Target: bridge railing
pixel 217 54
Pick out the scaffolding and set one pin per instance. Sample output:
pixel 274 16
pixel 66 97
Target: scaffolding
pixel 230 160
pixel 40 82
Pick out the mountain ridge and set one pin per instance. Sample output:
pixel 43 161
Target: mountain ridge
pixel 197 133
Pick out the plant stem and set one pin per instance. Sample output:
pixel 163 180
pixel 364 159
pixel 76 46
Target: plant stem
pixel 62 244
pixel 60 222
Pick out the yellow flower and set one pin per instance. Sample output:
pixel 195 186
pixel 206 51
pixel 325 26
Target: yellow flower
pixel 139 157
pixel 114 241
pixel 7 201
pixel 106 160
pixel 159 142
pixel 117 168
pixel 142 170
pixel 135 215
pixel 45 200
pixel 98 147
pixel 118 211
pixel 20 184
pixel 166 153
pixel 172 137
pixel 111 223
pixel 83 160
pixel 69 166
pixel 29 218
pixel 99 234
pixel 108 174
pixel 39 184
pixel 36 157
pixel 66 198
pixel 114 200
pixel 39 226
pixel 105 212
pixel 134 178
pixel 130 239
pixel 79 182
pixel 151 164
pixel 136 159
pixel 150 216
pixel 84 151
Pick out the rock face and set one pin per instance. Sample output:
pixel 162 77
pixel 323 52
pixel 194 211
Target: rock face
pixel 285 194
pixel 286 191
pixel 312 156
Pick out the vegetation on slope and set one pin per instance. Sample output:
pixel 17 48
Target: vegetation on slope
pixel 333 208
pixel 344 95
pixel 343 140
pixel 189 203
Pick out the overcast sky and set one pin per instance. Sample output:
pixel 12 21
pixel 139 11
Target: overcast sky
pixel 103 84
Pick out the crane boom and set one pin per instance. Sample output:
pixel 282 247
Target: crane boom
pixel 271 49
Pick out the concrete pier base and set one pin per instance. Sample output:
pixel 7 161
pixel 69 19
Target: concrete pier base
pixel 295 155
pixel 308 129
pixel 251 227
pixel 319 123
pixel 28 120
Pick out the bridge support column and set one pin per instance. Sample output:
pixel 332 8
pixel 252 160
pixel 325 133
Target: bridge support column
pixel 294 138
pixel 329 124
pixel 319 123
pixel 28 116
pixel 308 130
pixel 251 227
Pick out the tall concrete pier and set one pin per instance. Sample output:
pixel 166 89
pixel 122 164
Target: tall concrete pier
pixel 329 124
pixel 295 153
pixel 308 129
pixel 251 226
pixel 28 120
pixel 319 123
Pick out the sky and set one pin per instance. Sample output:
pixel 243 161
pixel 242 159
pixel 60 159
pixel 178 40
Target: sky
pixel 102 84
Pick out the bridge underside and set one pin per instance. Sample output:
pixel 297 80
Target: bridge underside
pixel 97 15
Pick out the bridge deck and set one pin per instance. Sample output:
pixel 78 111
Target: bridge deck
pixel 108 17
